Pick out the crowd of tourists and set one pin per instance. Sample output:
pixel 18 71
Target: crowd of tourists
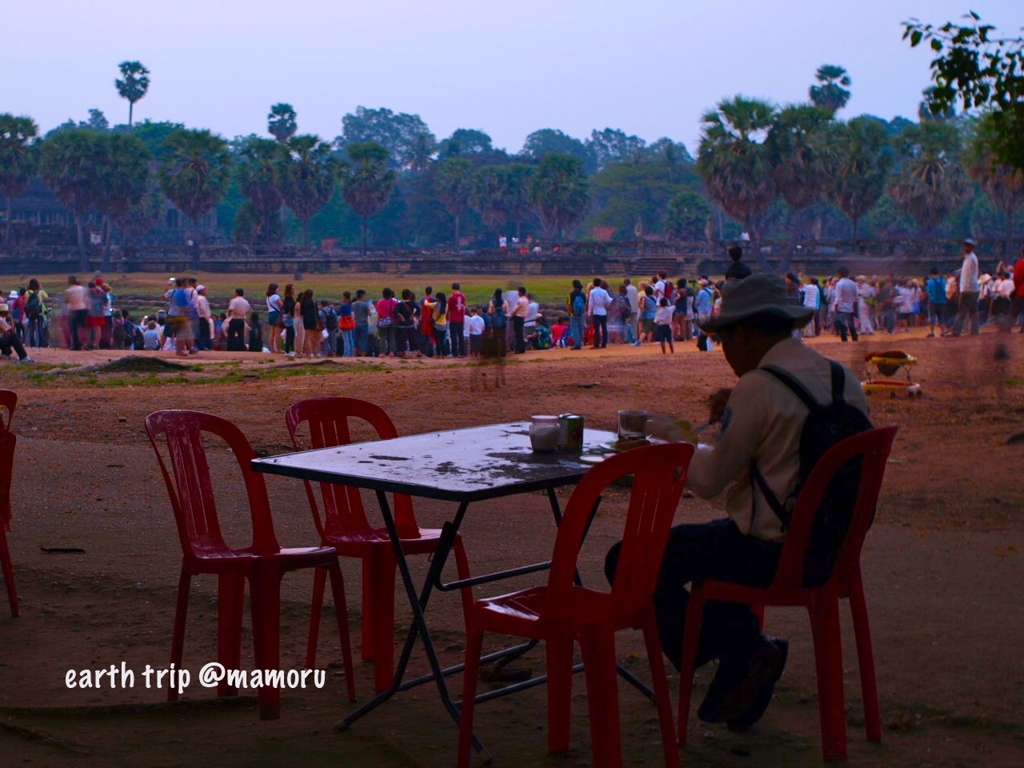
pixel 442 324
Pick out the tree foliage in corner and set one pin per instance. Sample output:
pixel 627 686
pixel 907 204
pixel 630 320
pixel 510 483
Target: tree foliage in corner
pixel 978 70
pixel 18 157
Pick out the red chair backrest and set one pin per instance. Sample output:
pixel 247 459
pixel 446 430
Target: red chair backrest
pixel 659 473
pixel 872 447
pixel 9 403
pixel 8 442
pixel 190 483
pixel 328 419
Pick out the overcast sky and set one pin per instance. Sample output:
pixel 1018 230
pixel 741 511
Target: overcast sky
pixel 648 67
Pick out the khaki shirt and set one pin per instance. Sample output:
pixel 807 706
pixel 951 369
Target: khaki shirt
pixel 763 421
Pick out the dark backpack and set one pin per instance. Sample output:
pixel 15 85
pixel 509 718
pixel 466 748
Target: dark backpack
pixel 498 323
pixel 34 305
pixel 825 426
pixel 330 319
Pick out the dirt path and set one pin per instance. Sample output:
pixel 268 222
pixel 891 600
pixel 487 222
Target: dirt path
pixel 943 563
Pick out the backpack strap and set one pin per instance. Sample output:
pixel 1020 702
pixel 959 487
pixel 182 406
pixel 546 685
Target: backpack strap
pixel 838 384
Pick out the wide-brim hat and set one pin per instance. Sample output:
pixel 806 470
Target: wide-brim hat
pixel 4 307
pixel 755 295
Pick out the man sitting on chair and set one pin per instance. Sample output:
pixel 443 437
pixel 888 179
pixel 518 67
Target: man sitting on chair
pixel 762 420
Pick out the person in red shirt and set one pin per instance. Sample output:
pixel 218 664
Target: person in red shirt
pixel 457 321
pixel 1018 291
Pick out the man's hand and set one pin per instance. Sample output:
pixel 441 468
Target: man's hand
pixel 716 403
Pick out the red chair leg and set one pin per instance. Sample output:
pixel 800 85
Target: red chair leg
pixel 598 646
pixel 178 634
pixel 341 614
pixel 316 609
pixel 828 656
pixel 474 648
pixel 866 661
pixel 8 568
pixel 559 658
pixel 661 692
pixel 382 597
pixel 367 606
pixel 230 607
pixel 266 620
pixel 691 642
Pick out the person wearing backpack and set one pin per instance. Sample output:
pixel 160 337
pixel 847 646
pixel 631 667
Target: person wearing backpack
pixel 35 311
pixel 762 454
pixel 577 304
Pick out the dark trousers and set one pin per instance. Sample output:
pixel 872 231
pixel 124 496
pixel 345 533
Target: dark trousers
pixel 845 323
pixel 236 335
pixel 518 324
pixel 694 553
pixel 458 339
pixel 600 331
pixel 204 334
pixel 76 326
pixel 9 341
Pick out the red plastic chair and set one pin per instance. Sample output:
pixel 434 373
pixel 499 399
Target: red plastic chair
pixel 563 612
pixel 822 603
pixel 8 442
pixel 263 563
pixel 344 526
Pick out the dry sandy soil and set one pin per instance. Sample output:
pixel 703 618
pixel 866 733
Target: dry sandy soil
pixel 943 565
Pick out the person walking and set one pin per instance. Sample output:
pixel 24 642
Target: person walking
pixel 970 291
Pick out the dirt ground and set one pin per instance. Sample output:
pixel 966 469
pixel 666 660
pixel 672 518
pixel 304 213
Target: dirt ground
pixel 943 564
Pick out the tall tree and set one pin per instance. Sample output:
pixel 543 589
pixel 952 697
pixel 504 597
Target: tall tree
pixel 1002 184
pixel 559 193
pixel 132 85
pixel 832 94
pixel 931 182
pixel 422 151
pixel 687 216
pixel 401 134
pixel 490 193
pixel 18 157
pixel 194 173
pixel 70 162
pixel 465 141
pixel 978 69
pixel 257 173
pixel 548 141
pixel 454 184
pixel 613 146
pixel 122 180
pixel 861 160
pixel 281 122
pixel 306 177
pixel 368 184
pixel 735 164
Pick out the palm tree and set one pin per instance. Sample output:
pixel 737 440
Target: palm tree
pixel 18 157
pixel 134 85
pixel 931 183
pixel 195 172
pixel 305 177
pixel 122 181
pixel 367 187
pixel 1002 184
pixel 453 184
pixel 735 164
pixel 861 160
pixel 490 193
pixel 70 162
pixel 256 173
pixel 831 95
pixel 281 122
pixel 559 192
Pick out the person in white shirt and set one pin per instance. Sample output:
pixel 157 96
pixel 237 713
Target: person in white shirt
pixel 865 305
pixel 844 304
pixel 812 300
pixel 762 422
pixel 970 290
pixel 238 312
pixel 634 307
pixel 475 330
pixel 597 307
